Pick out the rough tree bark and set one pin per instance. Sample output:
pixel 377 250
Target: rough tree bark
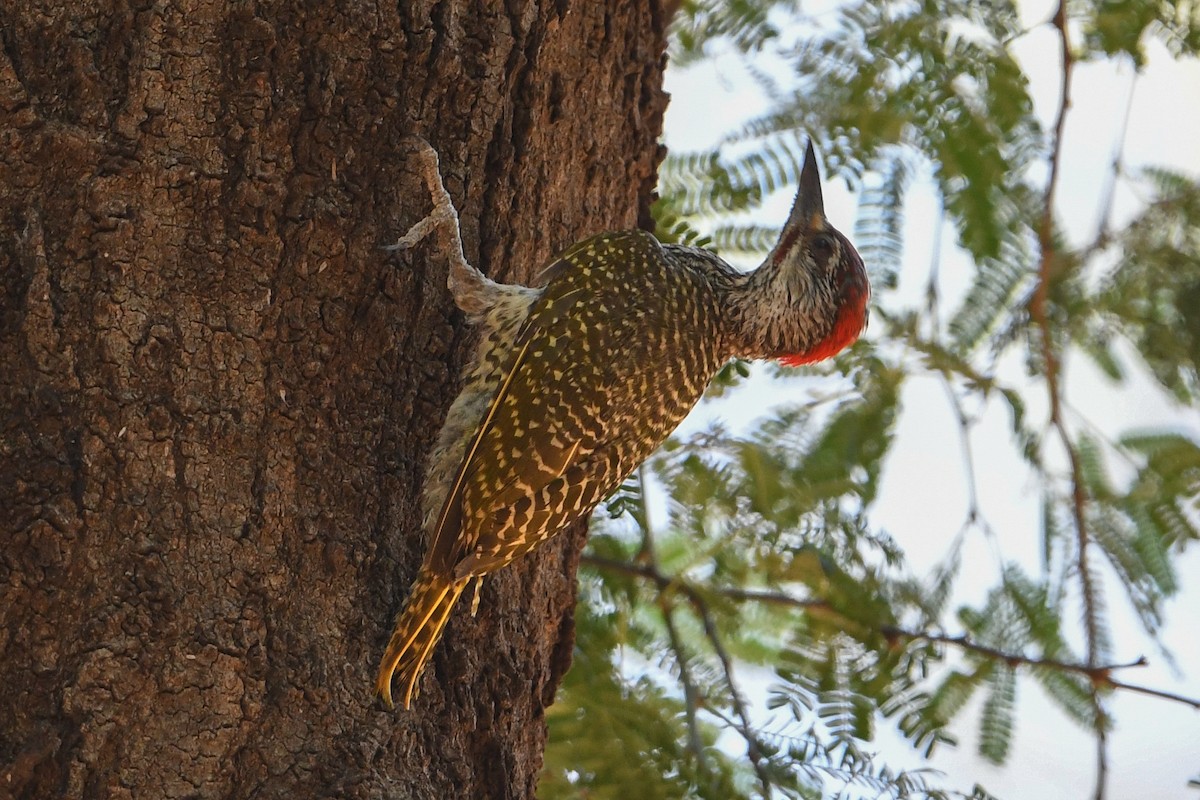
pixel 218 391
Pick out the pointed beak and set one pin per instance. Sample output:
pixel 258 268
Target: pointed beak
pixel 808 211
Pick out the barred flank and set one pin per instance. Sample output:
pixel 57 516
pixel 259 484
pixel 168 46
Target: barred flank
pixel 417 631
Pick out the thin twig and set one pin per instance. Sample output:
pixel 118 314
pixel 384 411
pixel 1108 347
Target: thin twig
pixel 1037 308
pixel 691 696
pixel 666 586
pixel 763 596
pixel 933 305
pixel 1037 311
pixel 753 747
pixel 664 582
pixel 1176 698
pixel 1104 213
pixel 1100 675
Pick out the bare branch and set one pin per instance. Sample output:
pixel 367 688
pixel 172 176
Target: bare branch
pixel 1175 698
pixel 745 727
pixel 1037 311
pixel 691 696
pixel 1099 674
pixel 1053 367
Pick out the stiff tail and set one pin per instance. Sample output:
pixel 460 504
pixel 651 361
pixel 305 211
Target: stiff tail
pixel 418 629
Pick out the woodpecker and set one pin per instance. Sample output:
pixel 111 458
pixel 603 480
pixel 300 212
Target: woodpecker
pixel 574 384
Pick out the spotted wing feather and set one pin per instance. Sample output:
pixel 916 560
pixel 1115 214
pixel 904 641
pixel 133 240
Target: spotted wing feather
pixel 573 416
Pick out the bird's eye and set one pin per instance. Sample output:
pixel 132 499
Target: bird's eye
pixel 822 247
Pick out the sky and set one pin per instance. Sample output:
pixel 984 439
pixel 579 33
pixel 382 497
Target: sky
pixel 1155 747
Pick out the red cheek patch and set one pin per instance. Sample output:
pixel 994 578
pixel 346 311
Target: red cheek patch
pixel 849 323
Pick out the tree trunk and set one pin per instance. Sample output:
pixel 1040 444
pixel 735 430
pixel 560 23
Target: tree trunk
pixel 218 390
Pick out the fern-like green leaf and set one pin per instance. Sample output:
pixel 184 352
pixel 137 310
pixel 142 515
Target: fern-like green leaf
pixel 996 723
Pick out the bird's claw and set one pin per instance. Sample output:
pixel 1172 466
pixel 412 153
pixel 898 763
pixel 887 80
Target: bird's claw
pixel 417 232
pixel 443 215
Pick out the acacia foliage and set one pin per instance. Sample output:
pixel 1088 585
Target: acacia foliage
pixel 762 558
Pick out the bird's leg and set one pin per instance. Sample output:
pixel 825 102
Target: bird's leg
pixel 473 291
pixel 476 590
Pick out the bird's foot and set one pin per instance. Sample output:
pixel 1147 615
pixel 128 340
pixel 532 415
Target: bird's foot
pixel 444 215
pixel 470 287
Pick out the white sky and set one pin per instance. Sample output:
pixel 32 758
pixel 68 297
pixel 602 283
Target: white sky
pixel 1155 748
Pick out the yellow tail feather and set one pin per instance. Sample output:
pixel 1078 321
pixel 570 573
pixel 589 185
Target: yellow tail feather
pixel 418 629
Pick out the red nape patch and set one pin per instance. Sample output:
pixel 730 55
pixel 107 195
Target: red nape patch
pixel 849 323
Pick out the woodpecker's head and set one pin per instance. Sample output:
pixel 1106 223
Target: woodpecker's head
pixel 815 281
